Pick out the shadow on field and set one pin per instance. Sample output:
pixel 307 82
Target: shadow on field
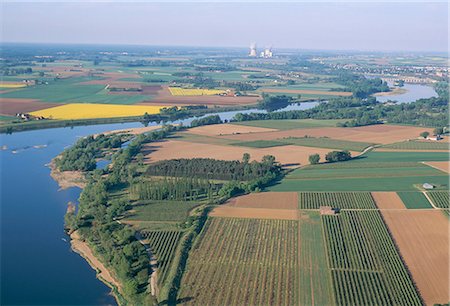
pixel 177 302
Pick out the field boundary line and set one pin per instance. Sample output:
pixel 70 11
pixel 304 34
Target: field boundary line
pixel 425 163
pixel 429 199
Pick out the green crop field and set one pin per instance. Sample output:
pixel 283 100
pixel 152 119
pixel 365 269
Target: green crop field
pixel 414 200
pixel 324 142
pixel 365 265
pixel 256 262
pixel 161 211
pixel 344 200
pixel 163 244
pixel 420 145
pixel 440 199
pixel 307 86
pixel 291 124
pixel 259 144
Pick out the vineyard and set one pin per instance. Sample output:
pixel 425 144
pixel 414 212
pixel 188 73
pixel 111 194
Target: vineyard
pixel 345 200
pixel 440 199
pixel 244 262
pixel 366 267
pixel 163 244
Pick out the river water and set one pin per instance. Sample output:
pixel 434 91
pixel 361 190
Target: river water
pixel 413 93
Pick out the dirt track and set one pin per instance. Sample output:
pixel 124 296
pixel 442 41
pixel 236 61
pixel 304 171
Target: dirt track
pixel 381 133
pixel 286 155
pixel 388 200
pixel 256 213
pixel 266 200
pixel 423 240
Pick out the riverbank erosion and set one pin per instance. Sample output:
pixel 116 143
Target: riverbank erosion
pixel 83 249
pixel 66 179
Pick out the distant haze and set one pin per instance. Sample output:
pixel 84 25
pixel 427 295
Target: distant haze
pixel 375 26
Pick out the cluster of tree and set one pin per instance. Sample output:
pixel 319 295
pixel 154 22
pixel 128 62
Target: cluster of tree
pixel 360 86
pixel 176 189
pixel 208 168
pixel 208 120
pixel 271 103
pixel 338 156
pixel 15 71
pixel 82 156
pixel 442 89
pixel 423 112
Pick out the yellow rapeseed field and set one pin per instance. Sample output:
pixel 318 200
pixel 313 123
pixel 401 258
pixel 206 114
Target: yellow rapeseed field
pixel 91 111
pixel 12 85
pixel 177 91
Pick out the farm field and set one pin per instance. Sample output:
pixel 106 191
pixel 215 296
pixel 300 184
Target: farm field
pixel 161 211
pixel 290 124
pixel 259 144
pixel 440 199
pixel 325 142
pixel 307 91
pixel 365 265
pixel 343 200
pixel 388 200
pixel 163 244
pixel 414 200
pixel 225 211
pixel 178 91
pixel 227 129
pixel 269 271
pixel 423 240
pixel 381 133
pixel 419 145
pixel 8 85
pixel 441 165
pixel 10 106
pixel 275 200
pixel 89 111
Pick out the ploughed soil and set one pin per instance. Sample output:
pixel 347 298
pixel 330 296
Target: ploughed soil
pixel 441 165
pixel 163 96
pixel 85 251
pixel 227 129
pixel 113 80
pixel 388 200
pixel 310 92
pixel 171 149
pixel 266 200
pixel 380 133
pixel 12 106
pixel 423 239
pixel 254 213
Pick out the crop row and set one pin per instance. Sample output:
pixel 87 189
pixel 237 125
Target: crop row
pixel 419 145
pixel 244 262
pixel 366 267
pixel 345 200
pixel 440 199
pixel 163 244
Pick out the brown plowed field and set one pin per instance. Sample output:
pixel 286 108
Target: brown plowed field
pixel 12 106
pixel 227 129
pixel 286 155
pixel 255 213
pixel 388 200
pixel 381 133
pixel 112 79
pixel 441 165
pixel 308 92
pixel 164 96
pixel 423 240
pixel 267 200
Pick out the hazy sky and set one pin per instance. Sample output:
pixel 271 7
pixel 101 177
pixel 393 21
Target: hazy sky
pixel 339 26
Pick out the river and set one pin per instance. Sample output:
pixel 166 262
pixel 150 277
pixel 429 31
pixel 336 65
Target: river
pixel 413 93
pixel 37 264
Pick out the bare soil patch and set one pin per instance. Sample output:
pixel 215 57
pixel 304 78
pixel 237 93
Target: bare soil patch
pixel 266 200
pixel 381 133
pixel 388 200
pixel 286 155
pixel 255 213
pixel 441 165
pixel 151 90
pixel 423 240
pixel 12 106
pixel 309 92
pixel 227 129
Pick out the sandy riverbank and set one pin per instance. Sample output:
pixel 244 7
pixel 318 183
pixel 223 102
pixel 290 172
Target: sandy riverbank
pixel 392 92
pixel 67 179
pixel 81 247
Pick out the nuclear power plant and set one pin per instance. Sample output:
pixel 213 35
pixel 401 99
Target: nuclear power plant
pixel 267 53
